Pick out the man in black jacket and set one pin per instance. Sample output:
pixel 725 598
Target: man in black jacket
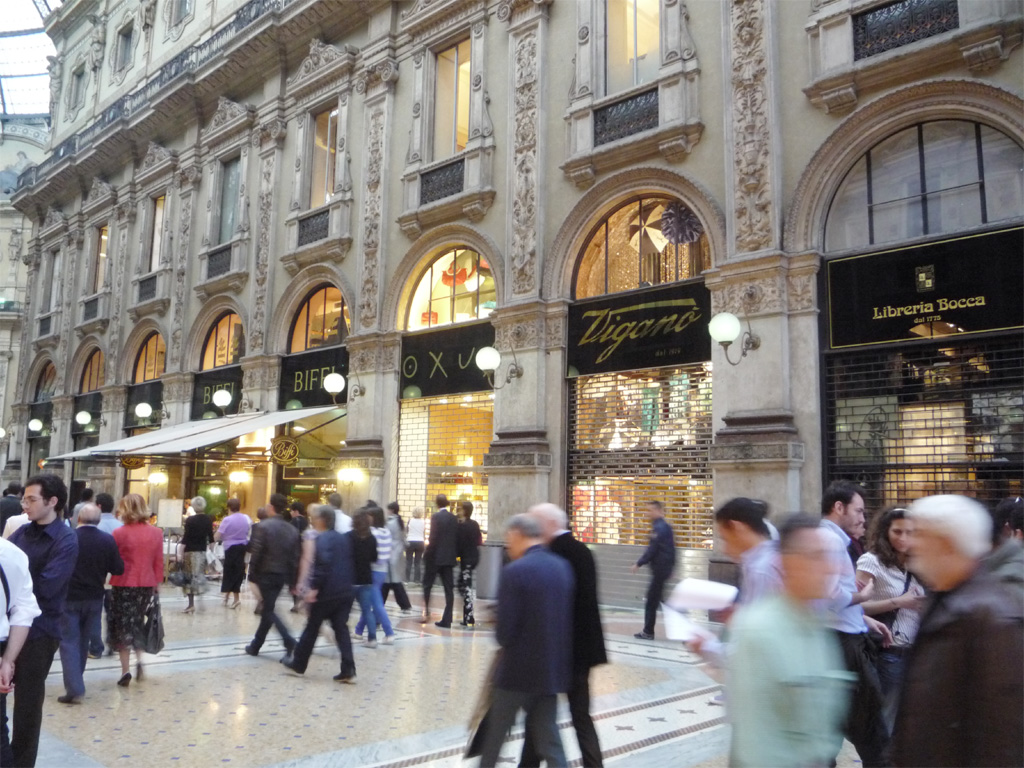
pixel 587 632
pixel 97 556
pixel 273 564
pixel 440 557
pixel 661 556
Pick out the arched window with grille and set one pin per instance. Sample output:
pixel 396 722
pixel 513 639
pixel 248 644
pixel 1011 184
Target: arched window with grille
pixel 322 321
pixel 150 361
pixel 456 287
pixel 92 374
pixel 225 344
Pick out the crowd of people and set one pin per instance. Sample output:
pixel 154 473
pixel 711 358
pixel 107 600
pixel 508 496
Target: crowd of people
pixel 907 638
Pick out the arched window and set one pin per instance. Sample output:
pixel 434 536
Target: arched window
pixel 645 241
pixel 322 321
pixel 92 376
pixel 46 384
pixel 225 344
pixel 930 179
pixel 149 364
pixel 456 287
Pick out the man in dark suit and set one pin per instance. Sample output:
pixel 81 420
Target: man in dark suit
pixel 440 558
pixel 273 565
pixel 587 633
pixel 329 597
pixel 535 604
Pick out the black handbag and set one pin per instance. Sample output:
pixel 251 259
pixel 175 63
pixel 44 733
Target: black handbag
pixel 178 576
pixel 153 627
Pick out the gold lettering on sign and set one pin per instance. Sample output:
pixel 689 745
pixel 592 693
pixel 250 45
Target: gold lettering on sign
pixel 608 326
pixel 926 307
pixel 311 378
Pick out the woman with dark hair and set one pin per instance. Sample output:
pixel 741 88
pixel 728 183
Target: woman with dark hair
pixel 469 539
pixel 233 533
pixel 897 598
pixel 379 568
pixel 141 547
pixel 364 554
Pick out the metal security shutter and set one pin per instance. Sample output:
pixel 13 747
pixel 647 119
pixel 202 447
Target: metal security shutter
pixel 442 442
pixel 636 437
pixel 945 417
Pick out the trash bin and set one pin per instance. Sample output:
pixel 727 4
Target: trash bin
pixel 488 571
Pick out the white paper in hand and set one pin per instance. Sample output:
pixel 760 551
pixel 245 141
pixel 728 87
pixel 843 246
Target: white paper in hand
pixel 679 627
pixel 702 595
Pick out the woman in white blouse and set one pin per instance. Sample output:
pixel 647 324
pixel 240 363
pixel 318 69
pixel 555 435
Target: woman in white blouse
pixel 897 598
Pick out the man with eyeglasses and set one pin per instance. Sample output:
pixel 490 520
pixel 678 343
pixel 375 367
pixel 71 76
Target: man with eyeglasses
pixel 52 550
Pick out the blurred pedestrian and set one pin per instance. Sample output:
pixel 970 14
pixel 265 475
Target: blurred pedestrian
pixel 469 541
pixel 1006 560
pixel 788 685
pixel 440 557
pixel 379 574
pixel 414 545
pixel 342 521
pixel 233 534
pixel 10 503
pixel 108 523
pixel 274 565
pixel 196 541
pixel 15 624
pixel 660 555
pixel 963 693
pixel 141 546
pixel 394 581
pixel 364 555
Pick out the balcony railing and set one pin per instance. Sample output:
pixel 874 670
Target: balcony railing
pixel 901 23
pixel 45 326
pixel 91 309
pixel 314 228
pixel 442 182
pixel 627 117
pixel 218 262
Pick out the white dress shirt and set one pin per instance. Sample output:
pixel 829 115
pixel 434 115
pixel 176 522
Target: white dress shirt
pixel 22 607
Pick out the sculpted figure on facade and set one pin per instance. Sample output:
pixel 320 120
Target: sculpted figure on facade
pixel 524 199
pixel 371 220
pixel 56 77
pixel 97 41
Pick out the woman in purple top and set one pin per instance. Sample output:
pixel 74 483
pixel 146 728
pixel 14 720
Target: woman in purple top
pixel 234 535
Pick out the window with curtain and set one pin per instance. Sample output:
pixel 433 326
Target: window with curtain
pixel 92 374
pixel 322 321
pixel 149 364
pixel 225 345
pixel 643 242
pixel 230 178
pixel 933 178
pixel 457 287
pixel 633 47
pixel 99 271
pixel 451 100
pixel 46 384
pixel 157 236
pixel 325 142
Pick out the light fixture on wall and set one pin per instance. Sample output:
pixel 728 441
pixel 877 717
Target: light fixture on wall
pixel 239 477
pixel 143 412
pixel 488 359
pixel 3 433
pixel 725 328
pixel 157 478
pixel 221 399
pixel 348 476
pixel 84 419
pixel 334 384
pixel 35 425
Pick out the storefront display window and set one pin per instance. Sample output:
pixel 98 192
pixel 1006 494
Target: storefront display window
pixel 322 321
pixel 456 287
pixel 149 365
pixel 226 343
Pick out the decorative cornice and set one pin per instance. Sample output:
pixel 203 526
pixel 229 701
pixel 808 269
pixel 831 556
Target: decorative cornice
pixel 229 120
pixel 101 195
pixel 428 18
pixel 324 64
pixel 157 161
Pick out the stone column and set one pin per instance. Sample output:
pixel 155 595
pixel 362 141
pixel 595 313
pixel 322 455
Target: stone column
pixel 261 375
pixel 371 384
pixel 177 396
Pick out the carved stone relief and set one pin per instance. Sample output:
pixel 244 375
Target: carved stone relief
pixel 118 266
pixel 266 208
pixel 191 178
pixel 750 107
pixel 369 285
pixel 524 197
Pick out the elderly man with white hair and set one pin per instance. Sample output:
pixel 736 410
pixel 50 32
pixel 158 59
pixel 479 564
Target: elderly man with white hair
pixel 963 693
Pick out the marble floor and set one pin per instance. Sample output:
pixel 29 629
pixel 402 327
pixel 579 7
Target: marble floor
pixel 204 702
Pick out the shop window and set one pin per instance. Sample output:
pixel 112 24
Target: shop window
pixel 92 375
pixel 46 384
pixel 932 178
pixel 156 237
pixel 451 100
pixel 325 150
pixel 230 178
pixel 633 52
pixel 457 287
pixel 636 437
pixel 149 365
pixel 226 343
pixel 322 321
pixel 99 267
pixel 642 243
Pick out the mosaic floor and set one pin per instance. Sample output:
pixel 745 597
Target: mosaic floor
pixel 203 702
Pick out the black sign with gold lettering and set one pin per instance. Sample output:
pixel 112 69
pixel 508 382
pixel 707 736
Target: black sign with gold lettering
pixel 649 329
pixel 443 362
pixel 208 382
pixel 302 377
pixel 952 288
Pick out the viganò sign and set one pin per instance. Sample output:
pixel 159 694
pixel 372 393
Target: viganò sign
pixel 648 329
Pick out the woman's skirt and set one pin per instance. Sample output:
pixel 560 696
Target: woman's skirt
pixel 127 611
pixel 234 569
pixel 195 567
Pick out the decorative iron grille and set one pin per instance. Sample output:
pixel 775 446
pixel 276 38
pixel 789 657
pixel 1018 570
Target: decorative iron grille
pixel 442 182
pixel 944 417
pixel 636 437
pixel 314 227
pixel 627 117
pixel 901 23
pixel 44 326
pixel 218 262
pixel 91 309
pixel 147 288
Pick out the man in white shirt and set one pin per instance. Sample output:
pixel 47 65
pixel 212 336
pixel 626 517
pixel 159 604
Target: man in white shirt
pixel 342 522
pixel 20 608
pixel 14 523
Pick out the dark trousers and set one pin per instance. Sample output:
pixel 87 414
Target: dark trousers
pixel 446 572
pixel 582 723
pixel 30 690
pixel 414 560
pixel 401 596
pixel 96 640
pixel 655 594
pixel 270 587
pixel 541 725
pixel 468 592
pixel 81 622
pixel 336 612
pixel 865 726
pixel 234 569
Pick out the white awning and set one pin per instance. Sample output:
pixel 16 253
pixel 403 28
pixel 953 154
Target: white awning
pixel 182 438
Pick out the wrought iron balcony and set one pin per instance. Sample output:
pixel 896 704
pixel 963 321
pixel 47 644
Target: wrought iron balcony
pixel 442 182
pixel 314 227
pixel 630 116
pixel 901 23
pixel 218 262
pixel 147 289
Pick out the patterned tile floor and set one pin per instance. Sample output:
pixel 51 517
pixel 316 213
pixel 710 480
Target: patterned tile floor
pixel 203 702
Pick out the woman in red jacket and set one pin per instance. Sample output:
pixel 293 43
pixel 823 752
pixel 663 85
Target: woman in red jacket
pixel 142 548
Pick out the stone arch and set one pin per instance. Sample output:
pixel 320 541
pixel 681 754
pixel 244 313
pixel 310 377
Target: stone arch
pixel 296 292
pixel 605 196
pixel 130 350
pixel 213 309
pixel 83 351
pixel 32 379
pixel 425 248
pixel 942 99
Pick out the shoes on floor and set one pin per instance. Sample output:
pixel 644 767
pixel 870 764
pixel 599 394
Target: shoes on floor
pixel 236 604
pixel 389 639
pixel 425 618
pixel 442 625
pixel 95 655
pixel 341 677
pixel 356 636
pixel 138 672
pixel 370 644
pixel 289 660
pixel 259 608
pixel 190 609
pixel 68 699
pixel 643 636
pixel 125 679
pixel 406 611
pixel 252 651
